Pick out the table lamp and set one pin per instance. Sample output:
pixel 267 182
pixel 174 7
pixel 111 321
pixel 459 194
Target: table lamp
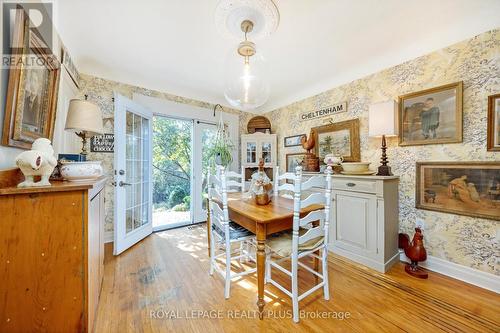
pixel 382 121
pixel 85 118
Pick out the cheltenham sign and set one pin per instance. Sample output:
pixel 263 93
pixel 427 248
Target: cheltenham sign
pixel 328 111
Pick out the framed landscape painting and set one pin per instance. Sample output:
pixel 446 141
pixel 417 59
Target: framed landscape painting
pixel 431 116
pixel 493 137
pixel 294 160
pixel 464 188
pixel 340 138
pixel 292 141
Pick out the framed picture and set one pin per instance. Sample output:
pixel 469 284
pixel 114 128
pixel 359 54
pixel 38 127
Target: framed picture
pixel 32 89
pixel 431 116
pixel 464 188
pixel 292 141
pixel 493 137
pixel 340 138
pixel 68 63
pixel 294 160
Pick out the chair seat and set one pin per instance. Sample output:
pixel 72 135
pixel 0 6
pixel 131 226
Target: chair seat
pixel 281 244
pixel 236 232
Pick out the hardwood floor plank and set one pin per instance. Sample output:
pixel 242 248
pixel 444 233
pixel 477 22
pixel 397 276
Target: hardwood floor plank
pixel 162 285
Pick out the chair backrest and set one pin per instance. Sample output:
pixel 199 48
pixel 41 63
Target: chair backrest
pixel 235 182
pixel 321 196
pixel 217 196
pixel 284 189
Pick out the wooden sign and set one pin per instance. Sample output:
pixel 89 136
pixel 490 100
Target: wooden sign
pixel 328 111
pixel 104 143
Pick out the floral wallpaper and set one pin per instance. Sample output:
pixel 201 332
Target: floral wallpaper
pixel 100 91
pixel 467 241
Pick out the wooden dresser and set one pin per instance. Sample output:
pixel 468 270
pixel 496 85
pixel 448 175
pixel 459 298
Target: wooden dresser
pixel 51 256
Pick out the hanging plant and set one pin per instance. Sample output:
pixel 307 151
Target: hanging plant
pixel 220 150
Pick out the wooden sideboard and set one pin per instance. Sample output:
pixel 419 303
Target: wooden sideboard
pixel 51 256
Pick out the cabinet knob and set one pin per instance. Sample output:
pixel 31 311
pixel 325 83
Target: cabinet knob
pixel 351 184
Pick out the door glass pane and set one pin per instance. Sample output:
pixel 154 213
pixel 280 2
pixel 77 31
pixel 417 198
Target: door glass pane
pixel 136 178
pixel 251 152
pixel 266 152
pixel 171 172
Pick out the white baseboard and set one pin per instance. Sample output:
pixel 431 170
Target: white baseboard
pixel 470 275
pixel 109 237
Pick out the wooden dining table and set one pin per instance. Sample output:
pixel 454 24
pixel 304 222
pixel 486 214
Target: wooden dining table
pixel 263 220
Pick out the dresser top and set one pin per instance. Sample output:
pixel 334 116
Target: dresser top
pixel 371 177
pixel 57 186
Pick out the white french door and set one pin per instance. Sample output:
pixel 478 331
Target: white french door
pixel 203 134
pixel 133 187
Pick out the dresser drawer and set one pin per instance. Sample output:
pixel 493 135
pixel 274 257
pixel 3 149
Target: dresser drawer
pixel 356 185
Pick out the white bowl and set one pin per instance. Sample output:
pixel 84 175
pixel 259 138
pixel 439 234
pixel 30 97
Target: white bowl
pixel 353 167
pixel 81 171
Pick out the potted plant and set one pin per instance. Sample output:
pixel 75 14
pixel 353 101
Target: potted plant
pixel 220 151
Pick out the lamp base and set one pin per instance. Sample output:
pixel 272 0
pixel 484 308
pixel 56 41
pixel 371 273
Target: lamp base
pixel 384 170
pixel 83 135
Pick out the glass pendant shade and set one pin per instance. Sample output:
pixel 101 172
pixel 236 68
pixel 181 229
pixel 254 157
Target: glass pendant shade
pixel 245 87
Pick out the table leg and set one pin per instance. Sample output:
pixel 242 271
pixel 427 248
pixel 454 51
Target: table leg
pixel 261 265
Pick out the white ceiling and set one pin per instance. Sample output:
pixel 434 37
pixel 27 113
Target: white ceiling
pixel 173 45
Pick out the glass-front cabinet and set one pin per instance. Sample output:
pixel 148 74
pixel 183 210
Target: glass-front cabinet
pixel 256 146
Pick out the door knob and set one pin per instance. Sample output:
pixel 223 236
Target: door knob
pixel 124 184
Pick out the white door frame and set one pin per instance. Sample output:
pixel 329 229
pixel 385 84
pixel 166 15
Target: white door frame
pixel 199 215
pixel 163 107
pixel 123 240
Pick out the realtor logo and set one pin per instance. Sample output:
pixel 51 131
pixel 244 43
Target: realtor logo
pixel 28 29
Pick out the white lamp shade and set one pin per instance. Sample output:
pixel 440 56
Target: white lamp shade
pixel 84 116
pixel 383 119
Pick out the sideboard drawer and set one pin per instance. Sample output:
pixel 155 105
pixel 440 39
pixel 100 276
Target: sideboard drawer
pixel 357 185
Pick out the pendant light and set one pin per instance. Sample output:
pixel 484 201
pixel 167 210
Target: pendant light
pixel 245 73
pixel 246 86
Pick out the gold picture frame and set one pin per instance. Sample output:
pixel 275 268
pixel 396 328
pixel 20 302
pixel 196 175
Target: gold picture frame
pixel 431 116
pixel 341 138
pixel 31 102
pixel 493 130
pixel 463 188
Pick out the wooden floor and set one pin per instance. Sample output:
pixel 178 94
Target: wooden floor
pixel 162 285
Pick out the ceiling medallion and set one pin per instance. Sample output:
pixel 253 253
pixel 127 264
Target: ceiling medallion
pixel 230 14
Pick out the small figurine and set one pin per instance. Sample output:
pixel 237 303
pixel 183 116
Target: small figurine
pixel 308 143
pixel 39 161
pixel 311 162
pixel 415 251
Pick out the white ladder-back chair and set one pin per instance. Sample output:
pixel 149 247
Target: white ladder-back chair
pixel 305 238
pixel 226 231
pixel 286 189
pixel 235 182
